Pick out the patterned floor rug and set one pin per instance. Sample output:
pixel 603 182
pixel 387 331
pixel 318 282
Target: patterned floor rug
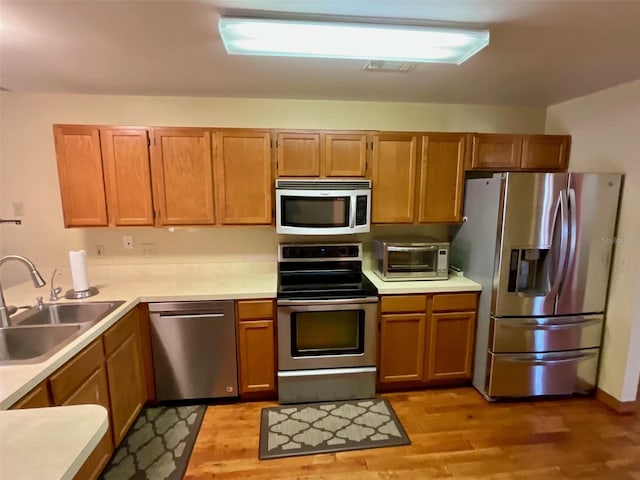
pixel 329 427
pixel 158 446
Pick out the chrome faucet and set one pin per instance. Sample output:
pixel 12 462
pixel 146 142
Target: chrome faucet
pixel 36 278
pixel 55 291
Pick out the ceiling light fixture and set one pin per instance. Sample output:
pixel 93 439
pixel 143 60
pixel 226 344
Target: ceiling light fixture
pixel 321 39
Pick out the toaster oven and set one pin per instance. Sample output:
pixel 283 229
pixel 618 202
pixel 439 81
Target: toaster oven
pixel 411 258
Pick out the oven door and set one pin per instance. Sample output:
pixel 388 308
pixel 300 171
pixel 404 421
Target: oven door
pixel 322 212
pixel 320 334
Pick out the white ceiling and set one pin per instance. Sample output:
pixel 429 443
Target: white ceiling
pixel 541 51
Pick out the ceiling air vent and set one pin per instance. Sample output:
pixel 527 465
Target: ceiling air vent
pixel 382 66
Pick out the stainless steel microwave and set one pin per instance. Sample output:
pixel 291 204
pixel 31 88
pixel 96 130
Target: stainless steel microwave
pixel 323 206
pixel 411 258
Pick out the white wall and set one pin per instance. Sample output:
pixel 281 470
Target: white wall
pixel 28 169
pixel 605 130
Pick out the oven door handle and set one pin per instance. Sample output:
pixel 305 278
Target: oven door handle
pixel 330 301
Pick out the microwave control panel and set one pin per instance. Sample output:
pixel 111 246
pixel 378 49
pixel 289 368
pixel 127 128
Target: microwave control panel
pixel 361 210
pixel 443 261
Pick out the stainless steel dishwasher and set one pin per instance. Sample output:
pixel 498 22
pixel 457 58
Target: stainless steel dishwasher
pixel 194 349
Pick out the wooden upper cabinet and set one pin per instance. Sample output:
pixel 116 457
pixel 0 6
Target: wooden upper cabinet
pixel 345 154
pixel 496 152
pixel 125 154
pixel 298 154
pixel 520 152
pixel 80 173
pixel 183 176
pixel 242 161
pixel 442 178
pixel 393 177
pixel 545 152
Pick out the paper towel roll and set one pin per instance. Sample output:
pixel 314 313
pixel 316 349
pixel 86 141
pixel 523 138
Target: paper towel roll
pixel 79 274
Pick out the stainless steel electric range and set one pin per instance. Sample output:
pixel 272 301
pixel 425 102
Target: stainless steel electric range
pixel 326 323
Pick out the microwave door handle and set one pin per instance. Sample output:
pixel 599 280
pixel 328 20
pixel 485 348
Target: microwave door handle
pixel 429 248
pixel 352 212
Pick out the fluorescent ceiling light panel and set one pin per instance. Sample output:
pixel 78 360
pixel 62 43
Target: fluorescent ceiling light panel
pixel 293 38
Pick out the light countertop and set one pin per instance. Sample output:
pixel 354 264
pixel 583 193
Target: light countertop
pixel 27 438
pixel 52 443
pixel 453 284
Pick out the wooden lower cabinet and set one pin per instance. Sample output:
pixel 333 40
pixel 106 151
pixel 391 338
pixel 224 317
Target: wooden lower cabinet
pixel 110 372
pixel 95 463
pixel 406 363
pixel 450 346
pixel 37 398
pixel 256 347
pixel 125 373
pixel 426 339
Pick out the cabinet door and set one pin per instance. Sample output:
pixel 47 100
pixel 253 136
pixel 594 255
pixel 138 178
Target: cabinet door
pixel 496 152
pixel 345 155
pixel 257 356
pixel 450 346
pixel 80 173
pixel 545 152
pixel 402 341
pixel 393 178
pixel 36 398
pixel 93 465
pixel 125 154
pixel 298 154
pixel 183 176
pixel 441 178
pixel 125 374
pixel 94 391
pixel 243 177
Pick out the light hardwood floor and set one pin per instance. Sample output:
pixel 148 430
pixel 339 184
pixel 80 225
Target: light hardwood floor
pixel 454 434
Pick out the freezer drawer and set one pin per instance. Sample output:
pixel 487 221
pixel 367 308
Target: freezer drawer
pixel 524 375
pixel 550 334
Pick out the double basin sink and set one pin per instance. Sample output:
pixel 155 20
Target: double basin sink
pixel 38 333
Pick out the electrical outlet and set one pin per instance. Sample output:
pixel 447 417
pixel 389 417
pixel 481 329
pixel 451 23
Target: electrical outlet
pixel 18 209
pixel 127 242
pixel 148 249
pixel 99 250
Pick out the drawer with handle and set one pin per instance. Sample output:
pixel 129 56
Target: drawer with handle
pixel 557 373
pixel 549 334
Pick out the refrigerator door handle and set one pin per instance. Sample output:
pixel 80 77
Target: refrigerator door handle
pixel 554 361
pixel 564 244
pixel 573 231
pixel 533 325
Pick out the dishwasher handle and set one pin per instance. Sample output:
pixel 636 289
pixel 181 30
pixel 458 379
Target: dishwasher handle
pixel 190 316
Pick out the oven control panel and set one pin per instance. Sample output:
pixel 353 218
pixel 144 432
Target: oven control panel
pixel 292 252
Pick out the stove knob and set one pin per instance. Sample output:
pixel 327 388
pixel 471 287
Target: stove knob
pixel 343 252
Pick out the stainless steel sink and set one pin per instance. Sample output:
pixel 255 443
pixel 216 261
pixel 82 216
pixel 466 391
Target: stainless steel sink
pixel 36 334
pixel 66 313
pixel 35 344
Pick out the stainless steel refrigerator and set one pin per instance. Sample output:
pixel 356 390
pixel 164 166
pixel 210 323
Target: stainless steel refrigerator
pixel 540 244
